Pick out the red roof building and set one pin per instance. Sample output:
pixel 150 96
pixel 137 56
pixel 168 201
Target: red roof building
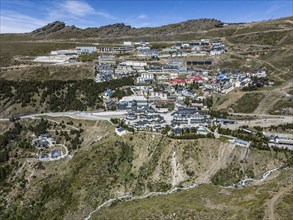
pixel 178 81
pixel 194 79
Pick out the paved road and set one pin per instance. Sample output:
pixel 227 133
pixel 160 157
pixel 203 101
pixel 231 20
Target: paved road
pixel 263 115
pixel 282 146
pixel 105 115
pixel 258 122
pixel 262 120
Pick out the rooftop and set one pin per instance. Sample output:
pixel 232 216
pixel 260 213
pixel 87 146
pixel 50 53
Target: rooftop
pixel 131 98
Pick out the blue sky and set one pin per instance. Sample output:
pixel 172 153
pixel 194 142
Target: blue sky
pixel 19 16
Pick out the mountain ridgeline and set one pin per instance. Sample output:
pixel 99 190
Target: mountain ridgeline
pixel 58 30
pixel 187 30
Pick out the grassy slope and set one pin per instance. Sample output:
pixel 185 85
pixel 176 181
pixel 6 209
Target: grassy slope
pixel 223 102
pixel 104 168
pixel 247 103
pixel 204 202
pixel 51 72
pixel 282 106
pixel 284 207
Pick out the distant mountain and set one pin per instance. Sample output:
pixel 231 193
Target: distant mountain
pixel 179 31
pixel 53 27
pixel 58 30
pixel 49 28
pixel 57 35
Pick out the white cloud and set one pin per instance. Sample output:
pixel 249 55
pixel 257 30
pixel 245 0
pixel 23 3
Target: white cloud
pixel 78 8
pixel 142 16
pixel 15 22
pixel 106 15
pixel 75 10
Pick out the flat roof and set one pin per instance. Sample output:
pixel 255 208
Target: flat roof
pixel 133 97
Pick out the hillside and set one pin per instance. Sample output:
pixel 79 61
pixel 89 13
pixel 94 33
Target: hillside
pixel 39 95
pixel 50 72
pixel 211 202
pixel 105 165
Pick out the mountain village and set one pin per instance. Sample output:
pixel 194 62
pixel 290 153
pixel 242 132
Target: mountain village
pixel 188 120
pixel 173 85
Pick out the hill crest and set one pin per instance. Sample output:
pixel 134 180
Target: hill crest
pixel 56 29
